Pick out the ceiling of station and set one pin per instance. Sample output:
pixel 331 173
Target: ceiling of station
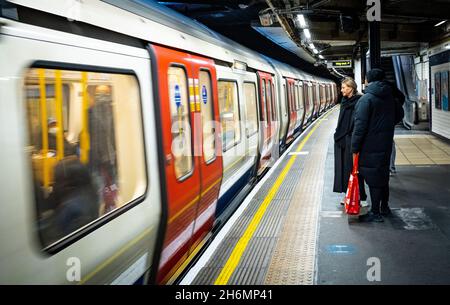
pixel 337 27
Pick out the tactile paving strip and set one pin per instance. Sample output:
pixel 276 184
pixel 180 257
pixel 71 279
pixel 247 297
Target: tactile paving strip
pixel 293 260
pixel 254 264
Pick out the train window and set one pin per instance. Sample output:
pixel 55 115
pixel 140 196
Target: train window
pixel 291 92
pixel 206 101
pixel 181 129
pixel 263 101
pixel 85 145
pixel 306 97
pixel 268 99
pixel 292 98
pixel 296 97
pixel 250 105
pixel 229 113
pixel 274 113
pixel 300 96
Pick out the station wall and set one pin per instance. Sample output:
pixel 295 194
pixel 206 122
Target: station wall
pixel 439 61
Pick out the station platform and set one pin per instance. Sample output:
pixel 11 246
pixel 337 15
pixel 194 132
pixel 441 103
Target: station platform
pixel 291 229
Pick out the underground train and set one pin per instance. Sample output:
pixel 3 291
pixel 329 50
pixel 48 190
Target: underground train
pixel 130 133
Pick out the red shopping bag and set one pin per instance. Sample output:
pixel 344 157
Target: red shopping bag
pixel 352 196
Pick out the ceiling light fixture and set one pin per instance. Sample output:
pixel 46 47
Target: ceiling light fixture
pixel 321 57
pixel 307 33
pixel 302 21
pixel 315 51
pixel 439 23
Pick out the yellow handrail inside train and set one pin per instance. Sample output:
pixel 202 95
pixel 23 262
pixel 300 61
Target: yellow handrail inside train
pixel 43 106
pixel 59 116
pixel 84 141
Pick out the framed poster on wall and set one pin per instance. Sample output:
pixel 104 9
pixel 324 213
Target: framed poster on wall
pixel 437 90
pixel 444 90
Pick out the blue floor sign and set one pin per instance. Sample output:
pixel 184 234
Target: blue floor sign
pixel 341 249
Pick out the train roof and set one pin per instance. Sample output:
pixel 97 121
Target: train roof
pixel 155 23
pixel 292 72
pixel 289 71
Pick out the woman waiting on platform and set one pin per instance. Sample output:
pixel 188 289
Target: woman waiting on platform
pixel 343 160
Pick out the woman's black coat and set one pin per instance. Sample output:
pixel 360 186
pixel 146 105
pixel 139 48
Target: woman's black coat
pixel 343 161
pixel 375 118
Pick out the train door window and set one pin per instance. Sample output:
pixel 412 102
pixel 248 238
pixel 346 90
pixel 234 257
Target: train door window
pixel 305 96
pixel 323 93
pixel 300 96
pixel 291 96
pixel 85 146
pixel 229 113
pixel 294 108
pixel 250 105
pixel 268 99
pixel 263 101
pixel 207 112
pixel 274 112
pixel 296 97
pixel 179 113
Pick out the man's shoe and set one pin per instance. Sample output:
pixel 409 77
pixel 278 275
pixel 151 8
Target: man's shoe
pixel 385 211
pixel 371 217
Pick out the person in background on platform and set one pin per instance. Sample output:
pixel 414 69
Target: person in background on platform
pixel 343 162
pixel 399 100
pixel 372 138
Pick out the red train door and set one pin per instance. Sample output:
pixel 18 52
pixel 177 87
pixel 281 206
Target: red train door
pixel 192 170
pixel 210 148
pixel 267 129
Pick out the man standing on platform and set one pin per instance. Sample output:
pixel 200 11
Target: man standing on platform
pixel 372 138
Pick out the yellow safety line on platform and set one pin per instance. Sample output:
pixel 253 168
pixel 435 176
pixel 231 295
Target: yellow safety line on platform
pixel 241 245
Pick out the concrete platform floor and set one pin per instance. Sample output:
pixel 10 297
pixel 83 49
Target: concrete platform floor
pixel 411 247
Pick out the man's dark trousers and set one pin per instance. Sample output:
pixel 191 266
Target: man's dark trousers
pixel 379 195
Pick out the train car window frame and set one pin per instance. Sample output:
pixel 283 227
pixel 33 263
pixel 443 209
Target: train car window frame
pixel 256 109
pixel 274 111
pixel 183 67
pixel 301 97
pixel 263 101
pixel 214 157
pixel 234 81
pixel 268 102
pixel 291 85
pixel 68 239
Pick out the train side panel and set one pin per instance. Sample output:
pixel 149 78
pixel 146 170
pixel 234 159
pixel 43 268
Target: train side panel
pixel 238 112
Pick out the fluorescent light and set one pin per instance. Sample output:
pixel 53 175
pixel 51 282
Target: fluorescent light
pixel 307 33
pixel 439 23
pixel 315 51
pixel 447 46
pixel 311 46
pixel 321 56
pixel 302 21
